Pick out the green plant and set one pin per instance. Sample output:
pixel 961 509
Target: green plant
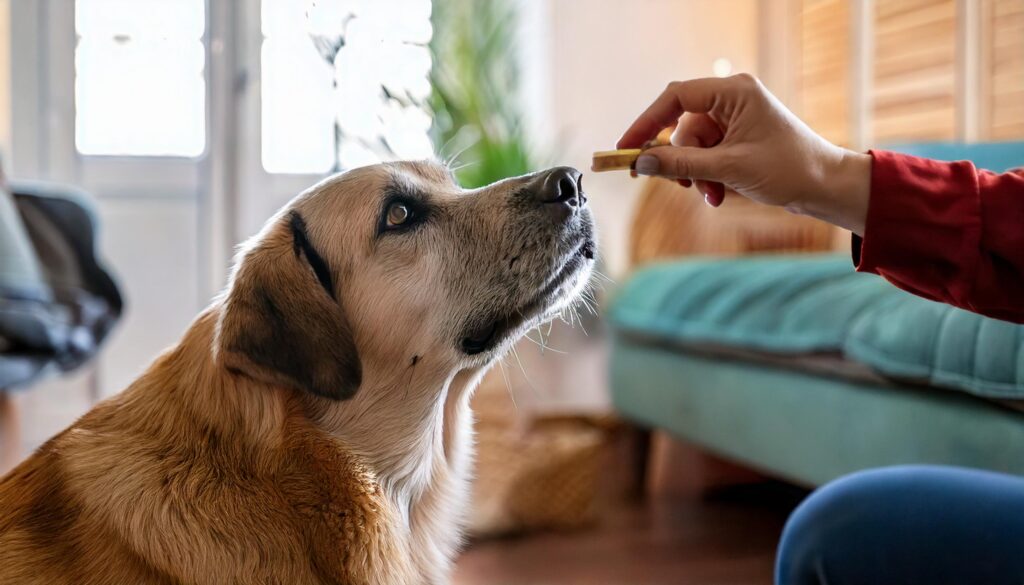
pixel 474 83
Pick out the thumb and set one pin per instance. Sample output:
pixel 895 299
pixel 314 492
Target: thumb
pixel 682 162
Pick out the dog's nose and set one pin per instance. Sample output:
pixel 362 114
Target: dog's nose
pixel 562 188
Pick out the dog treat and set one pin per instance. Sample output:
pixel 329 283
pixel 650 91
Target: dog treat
pixel 625 159
pixel 615 160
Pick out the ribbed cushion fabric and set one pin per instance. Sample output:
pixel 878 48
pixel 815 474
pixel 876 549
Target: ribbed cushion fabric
pixel 810 304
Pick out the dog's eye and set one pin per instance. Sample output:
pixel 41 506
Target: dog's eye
pixel 402 213
pixel 398 214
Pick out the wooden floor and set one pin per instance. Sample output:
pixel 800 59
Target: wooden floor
pixel 726 538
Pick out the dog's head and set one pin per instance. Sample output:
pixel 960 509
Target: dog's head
pixel 393 267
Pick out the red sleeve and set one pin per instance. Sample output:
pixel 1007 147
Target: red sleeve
pixel 948 232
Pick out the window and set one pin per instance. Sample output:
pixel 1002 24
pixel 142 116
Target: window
pixel 343 83
pixel 139 77
pixel 297 118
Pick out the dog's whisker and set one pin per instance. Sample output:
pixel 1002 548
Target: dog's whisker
pixel 455 157
pixel 589 303
pixel 526 376
pixel 440 152
pixel 463 166
pixel 527 335
pixel 579 319
pixel 544 346
pixel 603 276
pixel 508 385
pixel 541 335
pixel 561 317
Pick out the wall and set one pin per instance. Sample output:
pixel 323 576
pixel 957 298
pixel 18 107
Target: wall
pixel 607 60
pixel 590 67
pixel 5 79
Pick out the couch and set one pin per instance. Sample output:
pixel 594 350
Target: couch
pixel 799 367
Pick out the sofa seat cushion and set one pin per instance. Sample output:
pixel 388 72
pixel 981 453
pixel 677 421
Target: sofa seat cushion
pixel 793 305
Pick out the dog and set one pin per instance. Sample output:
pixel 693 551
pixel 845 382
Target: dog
pixel 313 423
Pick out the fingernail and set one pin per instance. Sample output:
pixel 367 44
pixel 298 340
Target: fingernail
pixel 647 164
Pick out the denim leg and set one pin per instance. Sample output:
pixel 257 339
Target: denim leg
pixel 907 525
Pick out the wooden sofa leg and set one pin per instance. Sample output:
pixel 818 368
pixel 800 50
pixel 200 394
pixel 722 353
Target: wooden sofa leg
pixel 682 468
pixel 10 432
pixel 641 461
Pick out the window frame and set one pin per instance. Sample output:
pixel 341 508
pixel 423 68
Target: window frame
pixel 259 192
pixel 43 117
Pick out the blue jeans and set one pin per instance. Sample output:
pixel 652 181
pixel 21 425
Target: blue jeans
pixel 907 525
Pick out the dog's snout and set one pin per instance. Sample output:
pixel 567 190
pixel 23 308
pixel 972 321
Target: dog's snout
pixel 562 190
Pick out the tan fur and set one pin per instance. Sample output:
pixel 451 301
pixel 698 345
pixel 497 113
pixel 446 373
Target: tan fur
pixel 214 467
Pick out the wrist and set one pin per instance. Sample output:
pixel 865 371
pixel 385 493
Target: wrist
pixel 844 190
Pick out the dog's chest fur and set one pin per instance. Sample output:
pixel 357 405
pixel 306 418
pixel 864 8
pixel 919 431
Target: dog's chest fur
pixel 390 531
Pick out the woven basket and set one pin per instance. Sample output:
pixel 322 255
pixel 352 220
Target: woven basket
pixel 534 474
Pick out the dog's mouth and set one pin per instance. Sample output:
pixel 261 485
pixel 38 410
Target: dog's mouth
pixel 494 331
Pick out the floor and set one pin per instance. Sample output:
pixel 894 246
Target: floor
pixel 727 538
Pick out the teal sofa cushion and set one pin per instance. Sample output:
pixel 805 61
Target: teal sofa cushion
pixel 994 156
pixel 791 305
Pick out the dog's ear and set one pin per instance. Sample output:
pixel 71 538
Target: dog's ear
pixel 281 322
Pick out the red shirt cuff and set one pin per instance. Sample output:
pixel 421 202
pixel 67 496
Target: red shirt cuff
pixel 918 232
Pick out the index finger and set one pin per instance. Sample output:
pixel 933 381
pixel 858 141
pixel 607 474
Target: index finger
pixel 696 95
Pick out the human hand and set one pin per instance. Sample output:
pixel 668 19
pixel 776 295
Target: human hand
pixel 732 132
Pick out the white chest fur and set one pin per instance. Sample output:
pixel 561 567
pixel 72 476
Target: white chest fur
pixel 436 514
pixel 423 458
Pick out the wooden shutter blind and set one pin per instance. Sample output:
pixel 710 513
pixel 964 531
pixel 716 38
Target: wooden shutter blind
pixel 914 84
pixel 1006 62
pixel 824 72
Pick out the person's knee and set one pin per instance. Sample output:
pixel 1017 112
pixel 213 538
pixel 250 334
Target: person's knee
pixel 835 518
